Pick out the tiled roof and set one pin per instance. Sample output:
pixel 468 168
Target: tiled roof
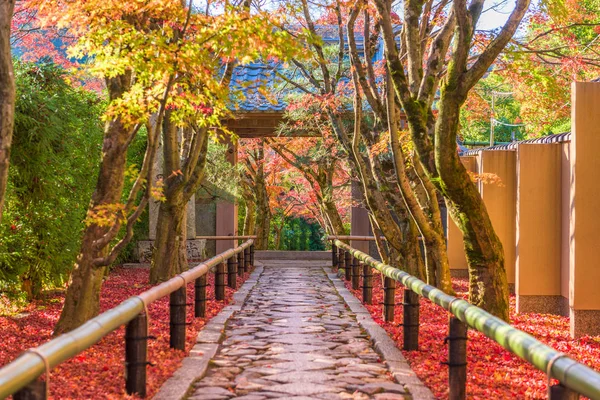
pixel 251 82
pixel 557 138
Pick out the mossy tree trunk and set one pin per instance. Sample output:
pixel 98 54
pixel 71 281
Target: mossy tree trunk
pixel 416 77
pixel 184 151
pixel 82 299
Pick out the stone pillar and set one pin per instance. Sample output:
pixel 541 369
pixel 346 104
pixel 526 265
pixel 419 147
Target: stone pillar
pixel 584 229
pixel 359 221
pixel 227 212
pixel 500 200
pixel 538 251
pixel 454 237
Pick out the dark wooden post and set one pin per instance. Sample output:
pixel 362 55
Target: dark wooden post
pixel 410 323
pixel 241 263
pixel 367 284
pixel 355 273
pixel 560 392
pixel 389 299
pixel 220 281
pixel 177 303
pixel 252 255
pixel 247 259
pixel 348 265
pixel 457 359
pixel 334 250
pixel 340 258
pixel 136 347
pixel 237 265
pixel 35 390
pixel 232 272
pixel 200 297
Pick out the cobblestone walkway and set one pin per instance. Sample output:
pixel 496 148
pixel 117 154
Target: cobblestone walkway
pixel 295 339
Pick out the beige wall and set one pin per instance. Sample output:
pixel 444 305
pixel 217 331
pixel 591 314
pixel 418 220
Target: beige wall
pixel 565 158
pixel 500 201
pixel 585 197
pixel 454 237
pixel 538 234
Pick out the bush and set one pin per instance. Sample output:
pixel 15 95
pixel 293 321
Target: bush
pixel 54 162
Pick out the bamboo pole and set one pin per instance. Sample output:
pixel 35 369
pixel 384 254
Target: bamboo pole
pixel 570 373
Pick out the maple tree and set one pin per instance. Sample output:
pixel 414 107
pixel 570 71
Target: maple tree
pixel 560 45
pixel 419 66
pixel 321 165
pixel 530 82
pixel 120 51
pixel 254 181
pixel 327 91
pixel 241 35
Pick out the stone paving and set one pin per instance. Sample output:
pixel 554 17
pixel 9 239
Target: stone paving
pixel 295 338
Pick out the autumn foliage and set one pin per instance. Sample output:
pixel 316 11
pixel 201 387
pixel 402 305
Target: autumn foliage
pixel 99 371
pixel 492 371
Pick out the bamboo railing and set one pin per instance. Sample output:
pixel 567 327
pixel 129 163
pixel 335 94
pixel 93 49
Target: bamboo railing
pixel 21 374
pixel 574 378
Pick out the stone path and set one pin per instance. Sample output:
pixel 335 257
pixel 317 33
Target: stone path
pixel 295 338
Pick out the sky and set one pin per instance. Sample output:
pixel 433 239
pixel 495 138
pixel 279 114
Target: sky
pixel 496 17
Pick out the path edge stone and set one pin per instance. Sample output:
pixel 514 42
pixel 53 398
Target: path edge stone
pixel 195 364
pixel 382 343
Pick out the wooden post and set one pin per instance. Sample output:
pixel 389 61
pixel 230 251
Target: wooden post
pixel 200 297
pixel 334 261
pixel 241 263
pixel 410 322
pixel 177 303
pixel 560 392
pixel 355 273
pixel 348 265
pixel 35 390
pixel 232 272
pixel 247 259
pixel 252 255
pixel 457 359
pixel 136 347
pixel 389 299
pixel 220 281
pixel 367 284
pixel 340 258
pixel 236 265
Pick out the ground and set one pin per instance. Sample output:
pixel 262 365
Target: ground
pixel 99 371
pixel 492 371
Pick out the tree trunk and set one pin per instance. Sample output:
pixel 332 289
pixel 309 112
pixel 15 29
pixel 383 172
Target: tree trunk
pixel 7 95
pixel 334 218
pixel 169 228
pixel 278 231
pixel 488 286
pixel 250 218
pixel 263 210
pixel 82 299
pixel 182 179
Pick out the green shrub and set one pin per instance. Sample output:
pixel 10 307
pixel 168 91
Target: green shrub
pixel 53 168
